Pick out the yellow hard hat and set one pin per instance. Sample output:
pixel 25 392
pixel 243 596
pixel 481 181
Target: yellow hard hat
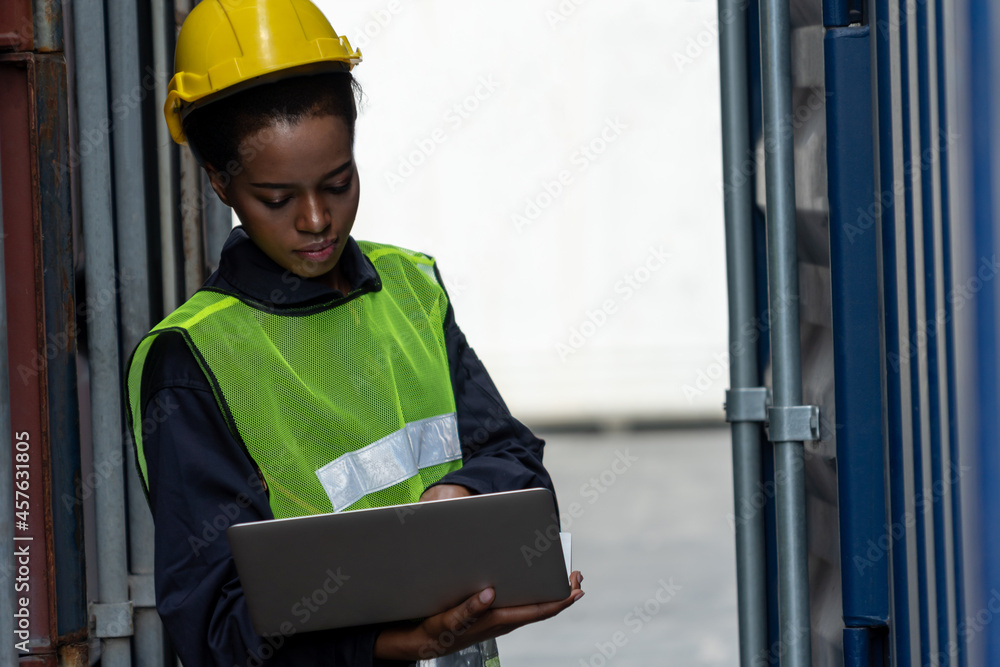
pixel 228 45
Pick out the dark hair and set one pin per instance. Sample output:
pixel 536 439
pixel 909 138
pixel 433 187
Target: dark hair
pixel 215 130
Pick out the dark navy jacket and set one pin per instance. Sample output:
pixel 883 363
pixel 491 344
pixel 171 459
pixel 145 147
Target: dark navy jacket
pixel 201 480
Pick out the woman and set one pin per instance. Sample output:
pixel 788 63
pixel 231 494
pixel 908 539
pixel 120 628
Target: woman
pixel 306 357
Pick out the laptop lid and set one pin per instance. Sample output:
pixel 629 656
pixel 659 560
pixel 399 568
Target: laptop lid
pixel 400 562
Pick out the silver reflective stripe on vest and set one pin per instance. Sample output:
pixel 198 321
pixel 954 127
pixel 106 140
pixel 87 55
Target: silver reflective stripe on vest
pixel 483 654
pixel 390 460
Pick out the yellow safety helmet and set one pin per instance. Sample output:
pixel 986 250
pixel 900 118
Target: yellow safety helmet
pixel 229 45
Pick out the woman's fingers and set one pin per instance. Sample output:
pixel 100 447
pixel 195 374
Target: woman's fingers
pixel 444 491
pixel 461 617
pixel 576 582
pixel 474 620
pixel 456 628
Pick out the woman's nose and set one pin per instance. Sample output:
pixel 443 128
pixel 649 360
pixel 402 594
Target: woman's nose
pixel 313 216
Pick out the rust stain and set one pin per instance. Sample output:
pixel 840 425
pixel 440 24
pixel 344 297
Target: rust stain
pixel 75 654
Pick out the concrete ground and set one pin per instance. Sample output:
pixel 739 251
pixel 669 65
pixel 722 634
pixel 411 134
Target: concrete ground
pixel 656 549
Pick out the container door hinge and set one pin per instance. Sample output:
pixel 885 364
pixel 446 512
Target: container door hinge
pixel 113 619
pixel 747 404
pixel 799 423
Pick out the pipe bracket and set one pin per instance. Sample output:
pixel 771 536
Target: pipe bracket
pixel 747 404
pixel 113 619
pixel 141 590
pixel 797 423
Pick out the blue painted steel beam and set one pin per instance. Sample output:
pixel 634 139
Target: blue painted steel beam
pixel 930 142
pixel 836 13
pixel 854 282
pixel 960 653
pixel 866 647
pixel 981 87
pixel 913 355
pixel 893 399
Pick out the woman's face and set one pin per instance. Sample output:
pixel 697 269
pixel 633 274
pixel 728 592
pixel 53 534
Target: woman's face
pixel 296 193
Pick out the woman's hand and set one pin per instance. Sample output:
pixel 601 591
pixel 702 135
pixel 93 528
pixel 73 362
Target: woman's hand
pixel 442 491
pixel 469 623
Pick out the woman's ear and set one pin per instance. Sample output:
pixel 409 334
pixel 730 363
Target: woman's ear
pixel 220 181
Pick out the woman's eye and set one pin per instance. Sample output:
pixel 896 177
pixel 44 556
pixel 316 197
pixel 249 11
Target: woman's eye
pixel 275 204
pixel 339 189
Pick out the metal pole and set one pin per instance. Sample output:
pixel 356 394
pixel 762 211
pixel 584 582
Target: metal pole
pixel 192 207
pixel 743 369
pixel 218 224
pixel 8 654
pixel 163 66
pixel 130 218
pixel 105 393
pixel 783 295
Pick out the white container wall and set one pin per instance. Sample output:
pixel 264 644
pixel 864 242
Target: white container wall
pixel 562 161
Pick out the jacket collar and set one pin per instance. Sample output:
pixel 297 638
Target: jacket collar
pixel 246 269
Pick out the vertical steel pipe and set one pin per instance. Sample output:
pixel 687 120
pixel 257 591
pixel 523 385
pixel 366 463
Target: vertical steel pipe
pixel 192 208
pixel 783 295
pixel 743 364
pixel 128 90
pixel 47 25
pixel 218 224
pixel 99 242
pixel 127 93
pixel 163 66
pixel 8 654
pixel 192 223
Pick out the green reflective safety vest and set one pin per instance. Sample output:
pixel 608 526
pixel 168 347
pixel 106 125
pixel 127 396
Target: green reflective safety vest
pixel 344 405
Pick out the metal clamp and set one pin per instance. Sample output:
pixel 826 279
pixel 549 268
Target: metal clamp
pixel 747 404
pixel 793 424
pixel 141 590
pixel 113 619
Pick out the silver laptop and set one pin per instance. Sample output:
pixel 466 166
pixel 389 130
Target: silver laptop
pixel 399 563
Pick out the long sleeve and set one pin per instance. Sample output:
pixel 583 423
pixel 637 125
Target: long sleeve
pixel 499 453
pixel 201 481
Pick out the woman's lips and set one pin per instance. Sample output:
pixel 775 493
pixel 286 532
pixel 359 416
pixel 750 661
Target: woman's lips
pixel 317 252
